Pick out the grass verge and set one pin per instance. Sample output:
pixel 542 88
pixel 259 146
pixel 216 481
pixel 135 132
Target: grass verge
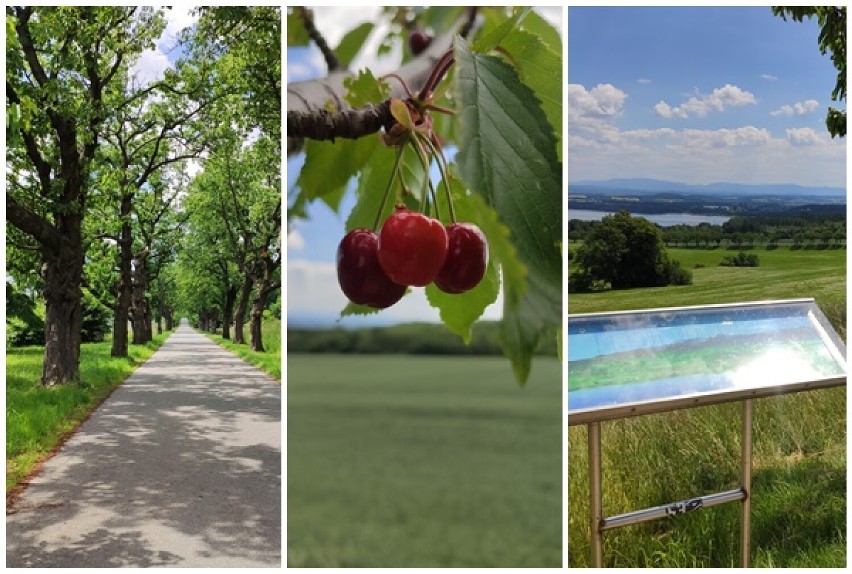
pixel 270 360
pixel 38 418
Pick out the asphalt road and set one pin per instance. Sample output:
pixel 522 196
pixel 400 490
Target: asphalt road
pixel 180 467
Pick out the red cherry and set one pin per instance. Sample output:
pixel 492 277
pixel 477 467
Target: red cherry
pixel 412 247
pixel 358 271
pixel 418 41
pixel 467 257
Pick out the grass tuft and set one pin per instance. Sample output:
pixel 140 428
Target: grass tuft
pixel 270 360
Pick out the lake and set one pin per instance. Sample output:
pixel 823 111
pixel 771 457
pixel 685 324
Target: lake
pixel 663 219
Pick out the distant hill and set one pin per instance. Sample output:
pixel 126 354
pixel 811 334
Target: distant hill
pixel 639 186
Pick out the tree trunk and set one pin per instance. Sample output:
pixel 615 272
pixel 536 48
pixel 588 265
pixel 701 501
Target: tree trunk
pixel 242 307
pixel 159 324
pixel 170 322
pixel 140 316
pixel 256 325
pixel 63 272
pixel 124 289
pixel 227 313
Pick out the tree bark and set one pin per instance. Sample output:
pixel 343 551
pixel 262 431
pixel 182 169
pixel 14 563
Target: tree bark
pixel 124 289
pixel 63 272
pixel 242 307
pixel 256 325
pixel 228 311
pixel 139 306
pixel 170 322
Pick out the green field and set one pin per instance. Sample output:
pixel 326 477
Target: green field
pixel 799 476
pixel 403 461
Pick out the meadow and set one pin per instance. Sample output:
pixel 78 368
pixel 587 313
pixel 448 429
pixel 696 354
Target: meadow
pixel 416 461
pixel 37 418
pixel 269 360
pixel 799 468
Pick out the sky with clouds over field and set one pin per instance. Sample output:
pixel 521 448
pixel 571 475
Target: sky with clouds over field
pixel 313 294
pixel 699 95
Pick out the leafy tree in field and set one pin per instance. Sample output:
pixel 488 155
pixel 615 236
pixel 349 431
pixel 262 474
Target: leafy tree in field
pixel 832 38
pixel 627 252
pixel 65 73
pixel 500 71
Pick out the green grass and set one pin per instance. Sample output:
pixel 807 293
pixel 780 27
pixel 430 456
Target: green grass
pixel 270 360
pixel 799 476
pixel 37 417
pixel 404 461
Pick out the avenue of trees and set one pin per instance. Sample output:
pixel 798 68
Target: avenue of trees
pixel 107 173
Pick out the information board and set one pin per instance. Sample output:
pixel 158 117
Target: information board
pixel 638 362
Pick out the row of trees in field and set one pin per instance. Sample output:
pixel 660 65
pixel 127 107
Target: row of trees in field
pixel 110 175
pixel 744 231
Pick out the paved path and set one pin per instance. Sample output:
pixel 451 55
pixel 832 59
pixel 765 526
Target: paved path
pixel 181 466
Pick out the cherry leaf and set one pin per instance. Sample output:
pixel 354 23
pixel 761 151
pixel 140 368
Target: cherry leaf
pixel 508 154
pixel 352 43
pixel 460 311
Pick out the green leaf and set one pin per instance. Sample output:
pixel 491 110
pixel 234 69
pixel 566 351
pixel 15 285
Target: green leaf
pixel 538 26
pixel 371 187
pixel 471 207
pixel 522 329
pixel 493 38
pixel 355 309
pixel 352 43
pixel 365 89
pixel 540 68
pixel 459 312
pixel 329 167
pixel 508 154
pixel 296 33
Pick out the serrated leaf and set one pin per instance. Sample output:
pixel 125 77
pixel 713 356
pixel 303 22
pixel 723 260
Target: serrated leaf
pixel 491 40
pixel 352 43
pixel 296 33
pixel 364 88
pixel 508 154
pixel 330 165
pixel 460 311
pixel 540 68
pixel 355 309
pixel 471 207
pixel 523 328
pixel 545 31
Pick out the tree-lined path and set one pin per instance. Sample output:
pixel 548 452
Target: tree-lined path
pixel 181 466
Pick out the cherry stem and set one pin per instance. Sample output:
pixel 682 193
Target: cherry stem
pixel 388 188
pixel 445 170
pixel 401 81
pixel 424 159
pixel 441 67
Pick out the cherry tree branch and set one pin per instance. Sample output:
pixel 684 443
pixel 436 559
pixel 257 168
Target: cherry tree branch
pixel 308 114
pixel 330 58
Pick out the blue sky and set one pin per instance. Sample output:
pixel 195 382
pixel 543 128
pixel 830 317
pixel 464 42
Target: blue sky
pixel 313 294
pixel 699 95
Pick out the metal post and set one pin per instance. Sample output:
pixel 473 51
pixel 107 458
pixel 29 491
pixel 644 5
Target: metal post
pixel 595 493
pixel 745 484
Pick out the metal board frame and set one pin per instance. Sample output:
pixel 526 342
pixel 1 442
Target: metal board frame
pixel 593 417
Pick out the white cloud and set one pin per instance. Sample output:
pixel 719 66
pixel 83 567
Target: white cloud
pixel 295 241
pixel 804 136
pixel 725 137
pixel 153 63
pixel 768 77
pixel 799 108
pixel 604 100
pixel 702 104
pixel 644 81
